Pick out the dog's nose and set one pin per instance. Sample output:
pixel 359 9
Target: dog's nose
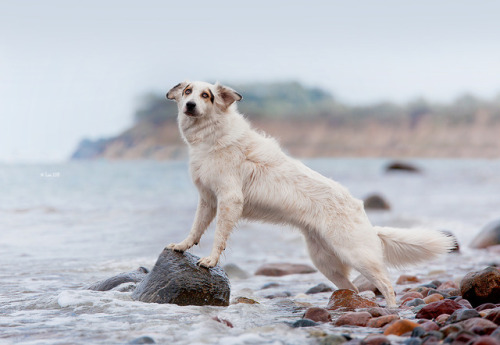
pixel 190 105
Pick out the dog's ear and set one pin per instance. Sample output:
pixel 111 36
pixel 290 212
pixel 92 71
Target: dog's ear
pixel 176 91
pixel 226 96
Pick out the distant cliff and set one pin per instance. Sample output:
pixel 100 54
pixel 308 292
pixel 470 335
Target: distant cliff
pixel 309 122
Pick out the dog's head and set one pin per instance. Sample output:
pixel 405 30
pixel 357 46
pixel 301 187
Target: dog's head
pixel 197 99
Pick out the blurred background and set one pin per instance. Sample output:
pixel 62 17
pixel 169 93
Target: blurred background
pixel 351 79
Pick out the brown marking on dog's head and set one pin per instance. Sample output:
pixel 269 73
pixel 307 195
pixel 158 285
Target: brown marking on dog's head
pixel 226 96
pixel 175 92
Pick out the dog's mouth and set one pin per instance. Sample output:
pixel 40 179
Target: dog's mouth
pixel 190 113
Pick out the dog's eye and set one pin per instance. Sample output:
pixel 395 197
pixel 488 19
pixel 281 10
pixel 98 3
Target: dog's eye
pixel 204 95
pixel 187 92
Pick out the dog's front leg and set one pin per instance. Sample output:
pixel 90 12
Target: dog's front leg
pixel 229 209
pixel 205 213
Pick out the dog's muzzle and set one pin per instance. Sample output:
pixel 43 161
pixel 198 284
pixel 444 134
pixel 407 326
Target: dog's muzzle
pixel 190 109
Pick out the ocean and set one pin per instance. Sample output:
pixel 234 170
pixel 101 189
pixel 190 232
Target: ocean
pixel 65 226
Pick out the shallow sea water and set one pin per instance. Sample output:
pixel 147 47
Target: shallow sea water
pixel 65 226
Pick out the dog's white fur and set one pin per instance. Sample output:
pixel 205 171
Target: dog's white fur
pixel 241 173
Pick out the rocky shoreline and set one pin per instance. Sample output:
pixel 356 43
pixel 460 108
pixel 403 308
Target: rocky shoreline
pixel 437 311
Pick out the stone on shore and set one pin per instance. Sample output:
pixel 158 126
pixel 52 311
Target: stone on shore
pixel 481 287
pixel 111 283
pixel 401 166
pixel 489 236
pixel 381 321
pixel 283 269
pixel 317 315
pixel 401 327
pixel 376 202
pixel 434 309
pixel 177 279
pixel 321 287
pixel 354 319
pixel 348 300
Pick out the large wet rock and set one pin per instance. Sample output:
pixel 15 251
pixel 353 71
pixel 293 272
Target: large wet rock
pixel 111 283
pixel 347 300
pixel 176 279
pixel 489 236
pixel 481 287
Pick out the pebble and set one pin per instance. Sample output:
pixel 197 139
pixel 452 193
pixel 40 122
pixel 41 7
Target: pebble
pixel 269 285
pixel 433 298
pixel 415 302
pixel 486 306
pixel 441 319
pixel 279 294
pixel 304 323
pixel 494 315
pixel 401 327
pixel 430 326
pixel 375 339
pixel 486 340
pixel 405 279
pixel 143 340
pixel 348 300
pixel 413 341
pixel 332 339
pixel 317 314
pixel 282 269
pixel 244 300
pixel 376 202
pixel 319 288
pixel 381 321
pixel 433 310
pixel 354 319
pixel 412 294
pixel 378 311
pixel 463 314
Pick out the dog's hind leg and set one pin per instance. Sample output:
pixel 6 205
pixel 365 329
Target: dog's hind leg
pixel 328 263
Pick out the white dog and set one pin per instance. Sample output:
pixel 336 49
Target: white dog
pixel 241 173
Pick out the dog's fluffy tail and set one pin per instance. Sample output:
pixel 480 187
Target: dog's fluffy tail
pixel 403 247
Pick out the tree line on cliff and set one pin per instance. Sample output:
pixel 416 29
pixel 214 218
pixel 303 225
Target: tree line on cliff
pixel 294 101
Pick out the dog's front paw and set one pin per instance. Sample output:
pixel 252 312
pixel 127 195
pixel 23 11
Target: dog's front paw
pixel 207 262
pixel 178 247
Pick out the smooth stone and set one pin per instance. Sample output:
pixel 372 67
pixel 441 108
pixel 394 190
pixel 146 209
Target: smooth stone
pixel 450 284
pixel 376 202
pixel 494 315
pixel 279 294
pixel 413 341
pixel 430 326
pixel 235 272
pixel 317 315
pixel 401 327
pixel 415 302
pixel 378 311
pixel 412 294
pixel 283 269
pixel 486 326
pixel 407 279
pixel 177 279
pixel 143 340
pixel 375 339
pixel 486 340
pixel 463 314
pixel 381 321
pixel 488 236
pixel 304 323
pixel 481 287
pixel 321 287
pixel 434 309
pixel 111 283
pixel 402 166
pixel 354 319
pixel 244 300
pixel 441 319
pixel 348 300
pixel 417 332
pixel 433 298
pixel 486 306
pixel 463 338
pixel 269 285
pixel 332 339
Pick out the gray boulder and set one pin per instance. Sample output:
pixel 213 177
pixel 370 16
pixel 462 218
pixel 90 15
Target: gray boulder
pixel 177 279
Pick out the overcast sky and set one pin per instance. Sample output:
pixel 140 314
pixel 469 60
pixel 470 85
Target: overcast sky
pixel 74 69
